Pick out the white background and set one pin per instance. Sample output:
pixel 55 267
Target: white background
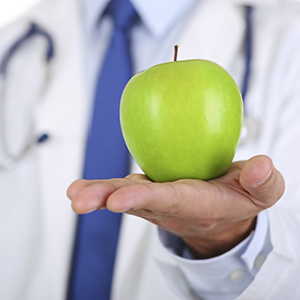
pixel 12 9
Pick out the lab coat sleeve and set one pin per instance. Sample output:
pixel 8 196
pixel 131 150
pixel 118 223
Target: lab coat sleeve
pixel 223 277
pixel 279 276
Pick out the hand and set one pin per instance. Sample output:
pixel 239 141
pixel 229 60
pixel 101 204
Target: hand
pixel 210 216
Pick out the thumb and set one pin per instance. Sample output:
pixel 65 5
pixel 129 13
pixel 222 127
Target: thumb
pixel 262 180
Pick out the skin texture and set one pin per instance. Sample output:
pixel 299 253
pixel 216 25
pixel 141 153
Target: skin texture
pixel 210 216
pixel 182 120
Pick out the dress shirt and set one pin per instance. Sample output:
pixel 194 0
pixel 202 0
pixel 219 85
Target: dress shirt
pixel 223 277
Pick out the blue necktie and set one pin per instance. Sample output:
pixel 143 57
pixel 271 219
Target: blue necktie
pixel 106 157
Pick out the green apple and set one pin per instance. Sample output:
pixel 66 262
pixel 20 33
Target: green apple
pixel 182 119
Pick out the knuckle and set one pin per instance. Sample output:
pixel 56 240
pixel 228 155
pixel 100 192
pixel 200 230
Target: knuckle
pixel 174 226
pixel 136 177
pixel 204 224
pixel 172 210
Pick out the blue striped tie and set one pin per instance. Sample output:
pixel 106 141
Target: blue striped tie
pixel 106 157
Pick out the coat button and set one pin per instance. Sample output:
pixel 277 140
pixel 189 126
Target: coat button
pixel 260 259
pixel 236 275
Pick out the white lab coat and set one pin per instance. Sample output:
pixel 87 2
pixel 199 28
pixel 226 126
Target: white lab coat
pixel 36 221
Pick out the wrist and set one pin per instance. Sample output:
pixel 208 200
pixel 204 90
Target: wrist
pixel 220 240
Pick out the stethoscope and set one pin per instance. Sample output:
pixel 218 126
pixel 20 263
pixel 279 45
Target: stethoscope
pixel 250 126
pixel 12 158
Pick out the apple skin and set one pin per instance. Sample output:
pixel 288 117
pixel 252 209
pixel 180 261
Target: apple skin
pixel 182 119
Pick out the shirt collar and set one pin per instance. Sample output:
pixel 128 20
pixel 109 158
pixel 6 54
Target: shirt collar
pixel 92 10
pixel 159 16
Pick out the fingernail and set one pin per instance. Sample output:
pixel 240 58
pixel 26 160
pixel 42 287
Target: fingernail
pixel 93 209
pixel 127 210
pixel 96 208
pixel 265 179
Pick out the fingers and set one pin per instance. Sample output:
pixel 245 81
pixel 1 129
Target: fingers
pixel 77 186
pixel 143 195
pixel 137 193
pixel 257 178
pixel 180 198
pixel 262 180
pixel 90 195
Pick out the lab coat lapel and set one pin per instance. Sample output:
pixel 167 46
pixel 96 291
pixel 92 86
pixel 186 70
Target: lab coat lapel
pixel 60 114
pixel 133 232
pixel 219 41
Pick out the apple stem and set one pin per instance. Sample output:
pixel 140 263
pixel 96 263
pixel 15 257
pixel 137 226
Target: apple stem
pixel 175 52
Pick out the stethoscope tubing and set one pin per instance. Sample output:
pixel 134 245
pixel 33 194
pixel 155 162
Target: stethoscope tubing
pixel 11 159
pixel 248 51
pixel 34 30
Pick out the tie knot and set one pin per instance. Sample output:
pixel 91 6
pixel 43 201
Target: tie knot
pixel 123 13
